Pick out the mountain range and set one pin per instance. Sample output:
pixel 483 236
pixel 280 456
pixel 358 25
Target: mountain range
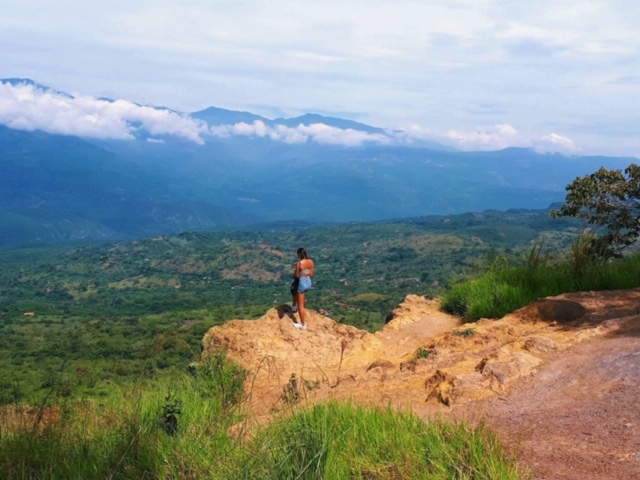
pixel 63 187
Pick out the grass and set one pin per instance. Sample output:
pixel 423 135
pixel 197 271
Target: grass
pixel 467 332
pixel 126 437
pixel 506 286
pixel 342 441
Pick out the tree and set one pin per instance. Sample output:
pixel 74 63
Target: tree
pixel 609 198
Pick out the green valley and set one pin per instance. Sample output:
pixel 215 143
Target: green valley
pixel 93 314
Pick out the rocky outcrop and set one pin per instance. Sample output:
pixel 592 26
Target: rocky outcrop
pixel 422 357
pixel 557 380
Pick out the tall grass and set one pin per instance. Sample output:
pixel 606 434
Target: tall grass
pixel 127 438
pixel 508 285
pixel 341 441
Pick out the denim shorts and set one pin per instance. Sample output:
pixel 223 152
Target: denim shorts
pixel 304 285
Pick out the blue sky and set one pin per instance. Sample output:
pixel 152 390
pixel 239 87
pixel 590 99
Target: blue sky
pixel 476 74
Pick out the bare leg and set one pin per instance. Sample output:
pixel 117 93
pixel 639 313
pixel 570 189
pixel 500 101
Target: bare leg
pixel 300 302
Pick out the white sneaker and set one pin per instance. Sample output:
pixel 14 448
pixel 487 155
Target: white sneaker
pixel 300 326
pixel 294 308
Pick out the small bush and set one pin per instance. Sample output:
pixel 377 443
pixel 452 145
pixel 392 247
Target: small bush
pixel 423 353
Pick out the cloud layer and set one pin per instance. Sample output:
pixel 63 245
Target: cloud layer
pixel 315 132
pixel 27 107
pixel 30 107
pixel 460 68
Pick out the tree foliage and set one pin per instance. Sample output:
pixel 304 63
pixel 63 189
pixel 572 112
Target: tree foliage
pixel 609 198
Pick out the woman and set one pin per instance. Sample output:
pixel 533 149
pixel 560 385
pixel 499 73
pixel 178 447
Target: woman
pixel 302 282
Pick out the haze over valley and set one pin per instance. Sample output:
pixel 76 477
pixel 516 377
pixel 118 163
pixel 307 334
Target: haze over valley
pixel 79 168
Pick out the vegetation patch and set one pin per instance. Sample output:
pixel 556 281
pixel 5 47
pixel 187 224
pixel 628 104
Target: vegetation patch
pixel 467 332
pixel 192 426
pixel 508 285
pixel 367 297
pixel 251 270
pixel 423 352
pixel 141 282
pixel 335 440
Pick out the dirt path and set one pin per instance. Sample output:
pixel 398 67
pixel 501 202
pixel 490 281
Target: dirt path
pixel 579 417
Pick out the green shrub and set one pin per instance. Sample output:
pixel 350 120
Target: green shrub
pixel 499 291
pixel 423 353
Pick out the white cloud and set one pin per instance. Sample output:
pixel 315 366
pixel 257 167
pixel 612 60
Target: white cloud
pixel 328 135
pixel 412 133
pixel 255 129
pixel 316 132
pixel 26 107
pixel 486 138
pixel 554 143
pixel 494 137
pixel 289 135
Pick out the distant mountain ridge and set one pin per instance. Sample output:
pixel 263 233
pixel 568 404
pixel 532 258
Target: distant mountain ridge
pixel 311 118
pixel 158 181
pixel 217 117
pixel 27 81
pixel 220 116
